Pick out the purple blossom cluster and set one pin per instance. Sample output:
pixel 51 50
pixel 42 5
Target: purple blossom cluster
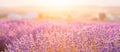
pixel 52 36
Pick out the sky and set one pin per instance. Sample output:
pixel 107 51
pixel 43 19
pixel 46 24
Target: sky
pixel 13 3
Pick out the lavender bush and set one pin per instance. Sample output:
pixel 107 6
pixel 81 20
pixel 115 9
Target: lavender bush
pixel 49 36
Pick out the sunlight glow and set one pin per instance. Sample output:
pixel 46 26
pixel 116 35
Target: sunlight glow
pixel 57 3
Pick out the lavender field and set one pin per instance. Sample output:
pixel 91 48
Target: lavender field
pixel 52 36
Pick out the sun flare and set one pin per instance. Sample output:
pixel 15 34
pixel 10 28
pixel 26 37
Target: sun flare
pixel 57 3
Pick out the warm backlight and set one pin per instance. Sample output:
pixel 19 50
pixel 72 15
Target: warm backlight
pixel 58 3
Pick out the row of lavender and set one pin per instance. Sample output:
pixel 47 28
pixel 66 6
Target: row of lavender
pixel 49 36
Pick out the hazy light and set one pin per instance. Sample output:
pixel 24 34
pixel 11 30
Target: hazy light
pixel 59 2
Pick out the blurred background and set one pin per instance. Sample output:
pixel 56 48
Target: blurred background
pixel 80 10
